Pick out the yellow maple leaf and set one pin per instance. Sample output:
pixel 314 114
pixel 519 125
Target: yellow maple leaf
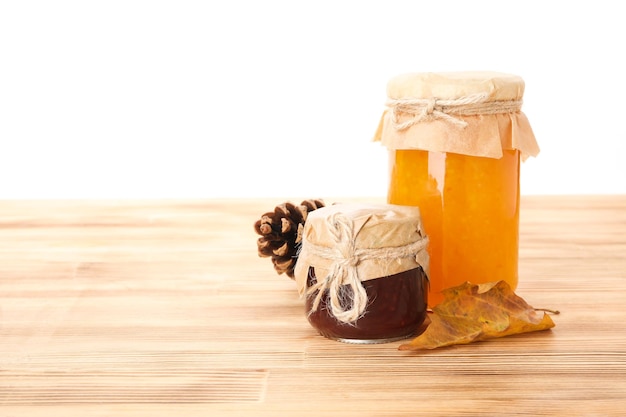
pixel 474 312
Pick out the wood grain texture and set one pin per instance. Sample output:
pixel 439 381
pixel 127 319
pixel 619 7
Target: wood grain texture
pixel 134 308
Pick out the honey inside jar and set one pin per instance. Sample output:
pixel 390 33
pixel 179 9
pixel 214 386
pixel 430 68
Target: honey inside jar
pixel 470 209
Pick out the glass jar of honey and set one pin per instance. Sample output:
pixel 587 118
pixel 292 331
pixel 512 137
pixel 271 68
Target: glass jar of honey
pixel 455 143
pixel 364 272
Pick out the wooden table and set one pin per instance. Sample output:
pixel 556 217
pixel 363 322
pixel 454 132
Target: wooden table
pixel 150 308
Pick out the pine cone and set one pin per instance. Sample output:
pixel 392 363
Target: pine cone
pixel 281 233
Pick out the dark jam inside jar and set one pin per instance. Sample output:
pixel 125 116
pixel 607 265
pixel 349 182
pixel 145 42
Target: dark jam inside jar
pixel 396 309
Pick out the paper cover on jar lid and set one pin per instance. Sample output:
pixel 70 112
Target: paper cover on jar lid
pixel 470 113
pixel 378 240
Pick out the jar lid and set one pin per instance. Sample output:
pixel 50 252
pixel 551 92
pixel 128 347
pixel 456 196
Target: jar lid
pixel 475 113
pixel 455 85
pixel 375 240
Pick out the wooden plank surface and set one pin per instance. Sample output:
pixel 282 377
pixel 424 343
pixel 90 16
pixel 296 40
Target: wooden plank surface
pixel 134 308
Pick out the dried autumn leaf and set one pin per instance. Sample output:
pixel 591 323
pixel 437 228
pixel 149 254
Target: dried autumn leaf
pixel 472 312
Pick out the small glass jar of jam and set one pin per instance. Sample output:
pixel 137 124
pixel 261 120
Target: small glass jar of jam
pixel 455 141
pixel 364 272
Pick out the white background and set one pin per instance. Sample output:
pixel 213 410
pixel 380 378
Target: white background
pixel 142 99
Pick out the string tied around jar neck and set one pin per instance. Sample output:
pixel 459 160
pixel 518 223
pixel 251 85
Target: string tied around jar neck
pixel 347 296
pixel 425 109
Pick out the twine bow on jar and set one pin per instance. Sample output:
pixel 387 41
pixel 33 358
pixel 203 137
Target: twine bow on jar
pixel 346 294
pixel 425 109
